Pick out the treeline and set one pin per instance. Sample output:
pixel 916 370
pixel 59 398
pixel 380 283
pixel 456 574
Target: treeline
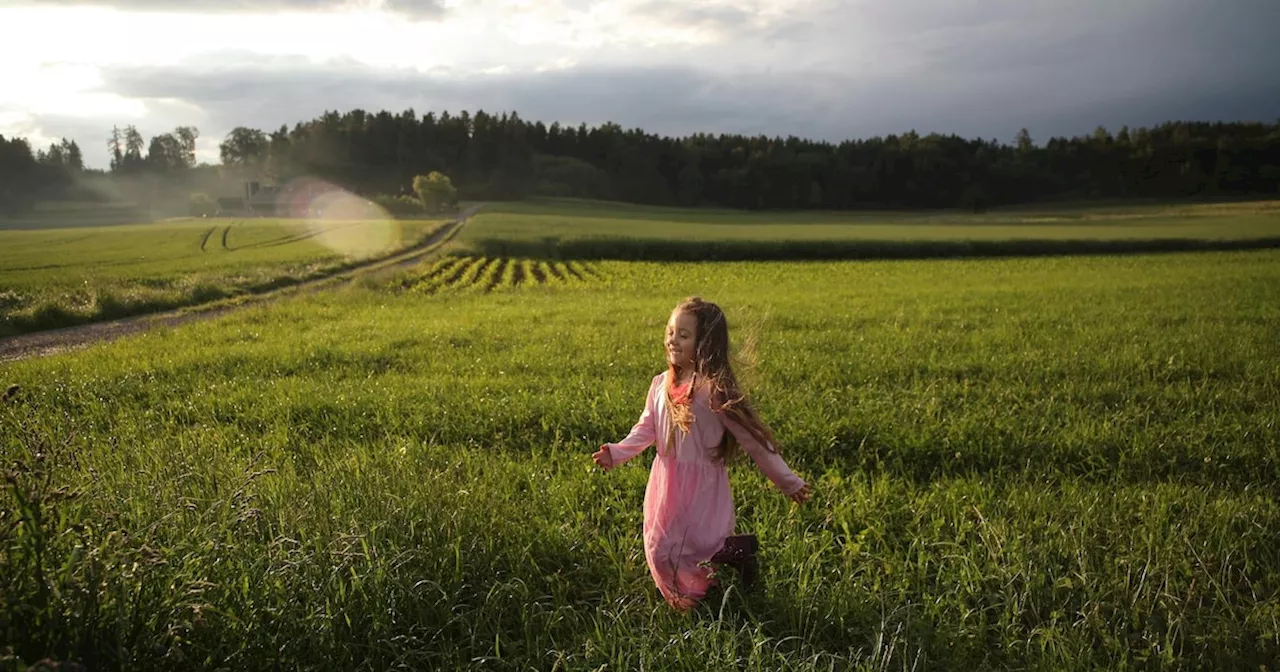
pixel 503 156
pixel 143 172
pixel 497 157
pixel 25 175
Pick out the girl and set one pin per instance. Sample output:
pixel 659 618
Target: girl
pixel 688 509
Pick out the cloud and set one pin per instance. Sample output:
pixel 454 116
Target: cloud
pixel 676 12
pixel 427 9
pixel 413 8
pixel 679 99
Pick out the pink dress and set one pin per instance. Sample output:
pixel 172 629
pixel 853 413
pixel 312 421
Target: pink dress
pixel 688 507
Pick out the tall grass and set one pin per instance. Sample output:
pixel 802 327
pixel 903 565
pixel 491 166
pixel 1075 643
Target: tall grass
pixel 1061 463
pixel 71 276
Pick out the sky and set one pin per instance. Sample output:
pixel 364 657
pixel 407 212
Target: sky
pixel 821 69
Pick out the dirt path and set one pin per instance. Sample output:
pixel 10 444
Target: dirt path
pixel 53 341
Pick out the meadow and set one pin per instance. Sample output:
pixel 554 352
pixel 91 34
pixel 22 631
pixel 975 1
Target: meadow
pixel 62 214
pixel 63 276
pixel 1029 463
pixel 569 229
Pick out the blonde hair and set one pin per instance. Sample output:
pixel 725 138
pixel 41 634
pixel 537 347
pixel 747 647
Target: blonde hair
pixel 712 368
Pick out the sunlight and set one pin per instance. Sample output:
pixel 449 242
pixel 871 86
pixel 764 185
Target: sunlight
pixel 338 219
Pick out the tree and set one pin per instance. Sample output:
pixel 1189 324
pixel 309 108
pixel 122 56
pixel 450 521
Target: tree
pixel 244 147
pixel 815 195
pixel 689 189
pixel 53 157
pixel 202 206
pixel 115 146
pixel 72 158
pixel 187 136
pixel 436 191
pixel 499 156
pixel 974 198
pixel 166 154
pixel 18 171
pixel 133 143
pixel 1024 143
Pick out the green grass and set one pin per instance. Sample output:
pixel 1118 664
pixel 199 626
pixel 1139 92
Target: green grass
pixel 53 278
pixel 61 214
pixel 612 231
pixel 1046 463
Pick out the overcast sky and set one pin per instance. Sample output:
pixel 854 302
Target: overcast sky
pixel 815 68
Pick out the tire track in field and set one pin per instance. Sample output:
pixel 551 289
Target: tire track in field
pixel 54 341
pixel 225 233
pixel 297 237
pixel 204 240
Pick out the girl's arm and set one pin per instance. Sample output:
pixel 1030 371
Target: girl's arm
pixel 770 462
pixel 642 434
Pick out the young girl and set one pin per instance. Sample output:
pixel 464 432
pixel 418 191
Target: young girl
pixel 688 509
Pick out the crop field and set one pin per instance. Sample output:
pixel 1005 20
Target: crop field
pixel 1064 463
pixel 57 215
pixel 572 229
pixel 483 274
pixel 53 278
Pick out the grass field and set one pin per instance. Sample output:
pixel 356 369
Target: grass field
pixel 591 230
pixel 54 278
pixel 1043 463
pixel 59 215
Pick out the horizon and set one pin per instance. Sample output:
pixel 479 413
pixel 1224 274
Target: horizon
pixel 814 69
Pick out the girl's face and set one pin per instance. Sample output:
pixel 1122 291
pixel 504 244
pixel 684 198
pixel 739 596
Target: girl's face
pixel 682 334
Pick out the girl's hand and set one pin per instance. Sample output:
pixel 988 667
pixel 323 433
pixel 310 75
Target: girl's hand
pixel 802 495
pixel 603 458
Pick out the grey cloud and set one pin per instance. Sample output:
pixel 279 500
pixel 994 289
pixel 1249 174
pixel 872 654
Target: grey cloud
pixel 679 100
pixel 680 13
pixel 202 6
pixel 426 9
pixel 682 99
pixel 791 31
pixel 413 8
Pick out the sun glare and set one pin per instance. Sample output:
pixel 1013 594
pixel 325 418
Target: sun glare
pixel 336 218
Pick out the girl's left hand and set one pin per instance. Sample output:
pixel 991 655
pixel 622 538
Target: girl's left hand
pixel 603 458
pixel 802 495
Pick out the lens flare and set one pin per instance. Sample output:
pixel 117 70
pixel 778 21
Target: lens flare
pixel 338 219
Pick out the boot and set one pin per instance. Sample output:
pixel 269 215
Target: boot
pixel 739 552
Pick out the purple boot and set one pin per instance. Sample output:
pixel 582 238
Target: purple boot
pixel 739 552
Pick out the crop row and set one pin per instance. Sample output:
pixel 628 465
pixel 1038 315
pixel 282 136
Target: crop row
pixel 487 274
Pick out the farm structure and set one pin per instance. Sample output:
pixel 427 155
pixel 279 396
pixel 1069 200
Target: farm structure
pixel 261 200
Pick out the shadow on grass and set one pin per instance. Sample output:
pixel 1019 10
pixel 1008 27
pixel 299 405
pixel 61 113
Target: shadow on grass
pixel 640 249
pixel 1104 462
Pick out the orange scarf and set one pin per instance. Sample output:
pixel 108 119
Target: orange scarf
pixel 680 401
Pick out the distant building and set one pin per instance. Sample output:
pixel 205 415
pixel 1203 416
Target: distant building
pixel 259 200
pixel 233 206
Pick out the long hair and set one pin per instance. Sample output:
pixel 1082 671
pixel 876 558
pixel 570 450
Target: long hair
pixel 713 370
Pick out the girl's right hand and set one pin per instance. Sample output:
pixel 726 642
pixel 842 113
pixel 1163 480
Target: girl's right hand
pixel 603 458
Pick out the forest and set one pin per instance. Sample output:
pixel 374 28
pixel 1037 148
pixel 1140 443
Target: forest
pixel 504 157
